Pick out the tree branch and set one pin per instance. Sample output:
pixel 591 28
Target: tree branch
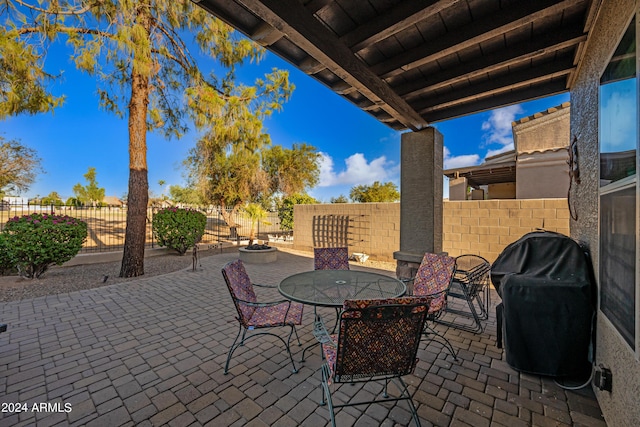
pixel 69 12
pixel 31 30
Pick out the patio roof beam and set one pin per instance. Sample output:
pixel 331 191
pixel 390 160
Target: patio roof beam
pixel 298 24
pixel 523 13
pixel 503 84
pixel 485 104
pixel 401 17
pixel 516 55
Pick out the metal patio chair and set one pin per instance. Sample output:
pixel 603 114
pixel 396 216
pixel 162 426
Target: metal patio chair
pixel 377 341
pixel 471 284
pixel 433 278
pixel 336 258
pixel 254 315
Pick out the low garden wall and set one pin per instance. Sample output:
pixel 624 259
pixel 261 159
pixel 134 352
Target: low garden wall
pixel 482 227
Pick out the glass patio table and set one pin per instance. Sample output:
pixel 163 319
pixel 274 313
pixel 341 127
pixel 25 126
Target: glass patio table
pixel 329 288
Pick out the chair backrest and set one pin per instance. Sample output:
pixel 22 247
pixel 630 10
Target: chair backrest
pixel 473 271
pixel 379 337
pixel 433 279
pixel 240 288
pixel 331 258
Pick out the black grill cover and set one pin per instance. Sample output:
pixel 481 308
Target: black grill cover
pixel 546 284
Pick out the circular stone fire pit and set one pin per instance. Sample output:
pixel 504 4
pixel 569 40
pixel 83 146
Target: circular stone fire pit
pixel 258 254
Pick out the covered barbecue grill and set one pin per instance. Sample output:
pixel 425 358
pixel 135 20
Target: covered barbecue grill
pixel 546 284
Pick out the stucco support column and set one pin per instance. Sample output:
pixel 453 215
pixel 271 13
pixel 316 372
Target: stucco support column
pixel 420 198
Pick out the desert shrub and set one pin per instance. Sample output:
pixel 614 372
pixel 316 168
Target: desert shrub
pixel 37 241
pixel 6 262
pixel 179 229
pixel 285 208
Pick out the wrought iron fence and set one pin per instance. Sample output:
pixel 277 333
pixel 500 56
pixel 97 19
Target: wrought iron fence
pixel 106 225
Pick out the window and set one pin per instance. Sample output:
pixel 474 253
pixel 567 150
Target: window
pixel 618 113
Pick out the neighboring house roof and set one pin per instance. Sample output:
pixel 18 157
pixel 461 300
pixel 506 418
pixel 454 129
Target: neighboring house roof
pixel 540 114
pixel 484 174
pixel 501 168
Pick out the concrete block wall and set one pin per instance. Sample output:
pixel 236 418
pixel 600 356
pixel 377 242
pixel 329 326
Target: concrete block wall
pixel 486 227
pixel 482 227
pixel 373 228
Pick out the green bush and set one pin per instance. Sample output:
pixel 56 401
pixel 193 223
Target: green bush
pixel 179 229
pixel 285 208
pixel 6 262
pixel 37 241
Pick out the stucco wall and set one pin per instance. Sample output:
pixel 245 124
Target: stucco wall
pixel 620 407
pixel 542 175
pixel 483 227
pixel 543 131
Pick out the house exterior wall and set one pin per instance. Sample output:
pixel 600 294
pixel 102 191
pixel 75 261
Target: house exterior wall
pixel 620 407
pixel 505 190
pixel 543 131
pixel 458 189
pixel 542 175
pixel 483 227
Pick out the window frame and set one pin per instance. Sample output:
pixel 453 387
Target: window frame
pixel 621 185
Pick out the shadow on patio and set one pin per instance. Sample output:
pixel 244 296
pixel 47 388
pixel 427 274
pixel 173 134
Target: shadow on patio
pixel 152 352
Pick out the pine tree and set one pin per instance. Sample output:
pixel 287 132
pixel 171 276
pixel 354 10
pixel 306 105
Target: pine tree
pixel 145 72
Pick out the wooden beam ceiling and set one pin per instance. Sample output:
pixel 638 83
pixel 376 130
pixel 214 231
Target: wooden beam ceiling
pixel 461 56
pixel 300 26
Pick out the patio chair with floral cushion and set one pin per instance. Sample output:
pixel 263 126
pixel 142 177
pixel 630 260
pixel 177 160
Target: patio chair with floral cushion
pixel 331 258
pixel 377 341
pixel 433 279
pixel 336 258
pixel 254 315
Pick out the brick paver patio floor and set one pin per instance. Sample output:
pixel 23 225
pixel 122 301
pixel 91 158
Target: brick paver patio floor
pixel 151 352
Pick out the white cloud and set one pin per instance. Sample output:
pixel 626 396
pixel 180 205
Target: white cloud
pixel 498 127
pixel 618 125
pixel 454 162
pixel 358 170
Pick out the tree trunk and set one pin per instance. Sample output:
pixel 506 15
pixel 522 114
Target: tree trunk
pixel 135 235
pixel 228 216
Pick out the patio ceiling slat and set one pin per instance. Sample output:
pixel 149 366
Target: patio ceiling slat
pixel 409 63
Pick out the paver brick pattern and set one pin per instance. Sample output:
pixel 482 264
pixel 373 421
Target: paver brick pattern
pixel 151 352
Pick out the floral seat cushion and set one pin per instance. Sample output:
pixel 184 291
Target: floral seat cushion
pixel 433 278
pixel 331 258
pixel 274 315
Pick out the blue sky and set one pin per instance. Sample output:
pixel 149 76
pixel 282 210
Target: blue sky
pixel 356 148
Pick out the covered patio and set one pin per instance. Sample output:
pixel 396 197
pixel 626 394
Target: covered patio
pixel 151 352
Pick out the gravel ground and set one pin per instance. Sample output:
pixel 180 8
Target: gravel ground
pixel 58 280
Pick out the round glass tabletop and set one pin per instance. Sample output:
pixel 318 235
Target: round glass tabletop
pixel 329 288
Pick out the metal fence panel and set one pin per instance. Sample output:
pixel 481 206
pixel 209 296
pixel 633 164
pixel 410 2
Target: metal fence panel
pixel 107 225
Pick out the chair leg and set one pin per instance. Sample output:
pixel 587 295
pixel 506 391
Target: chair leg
pixel 243 332
pixel 430 332
pixel 233 348
pixel 405 392
pixel 385 394
pixel 326 392
pixel 293 328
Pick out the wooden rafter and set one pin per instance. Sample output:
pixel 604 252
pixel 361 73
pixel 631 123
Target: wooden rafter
pixel 401 17
pixel 294 20
pixel 523 13
pixel 500 60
